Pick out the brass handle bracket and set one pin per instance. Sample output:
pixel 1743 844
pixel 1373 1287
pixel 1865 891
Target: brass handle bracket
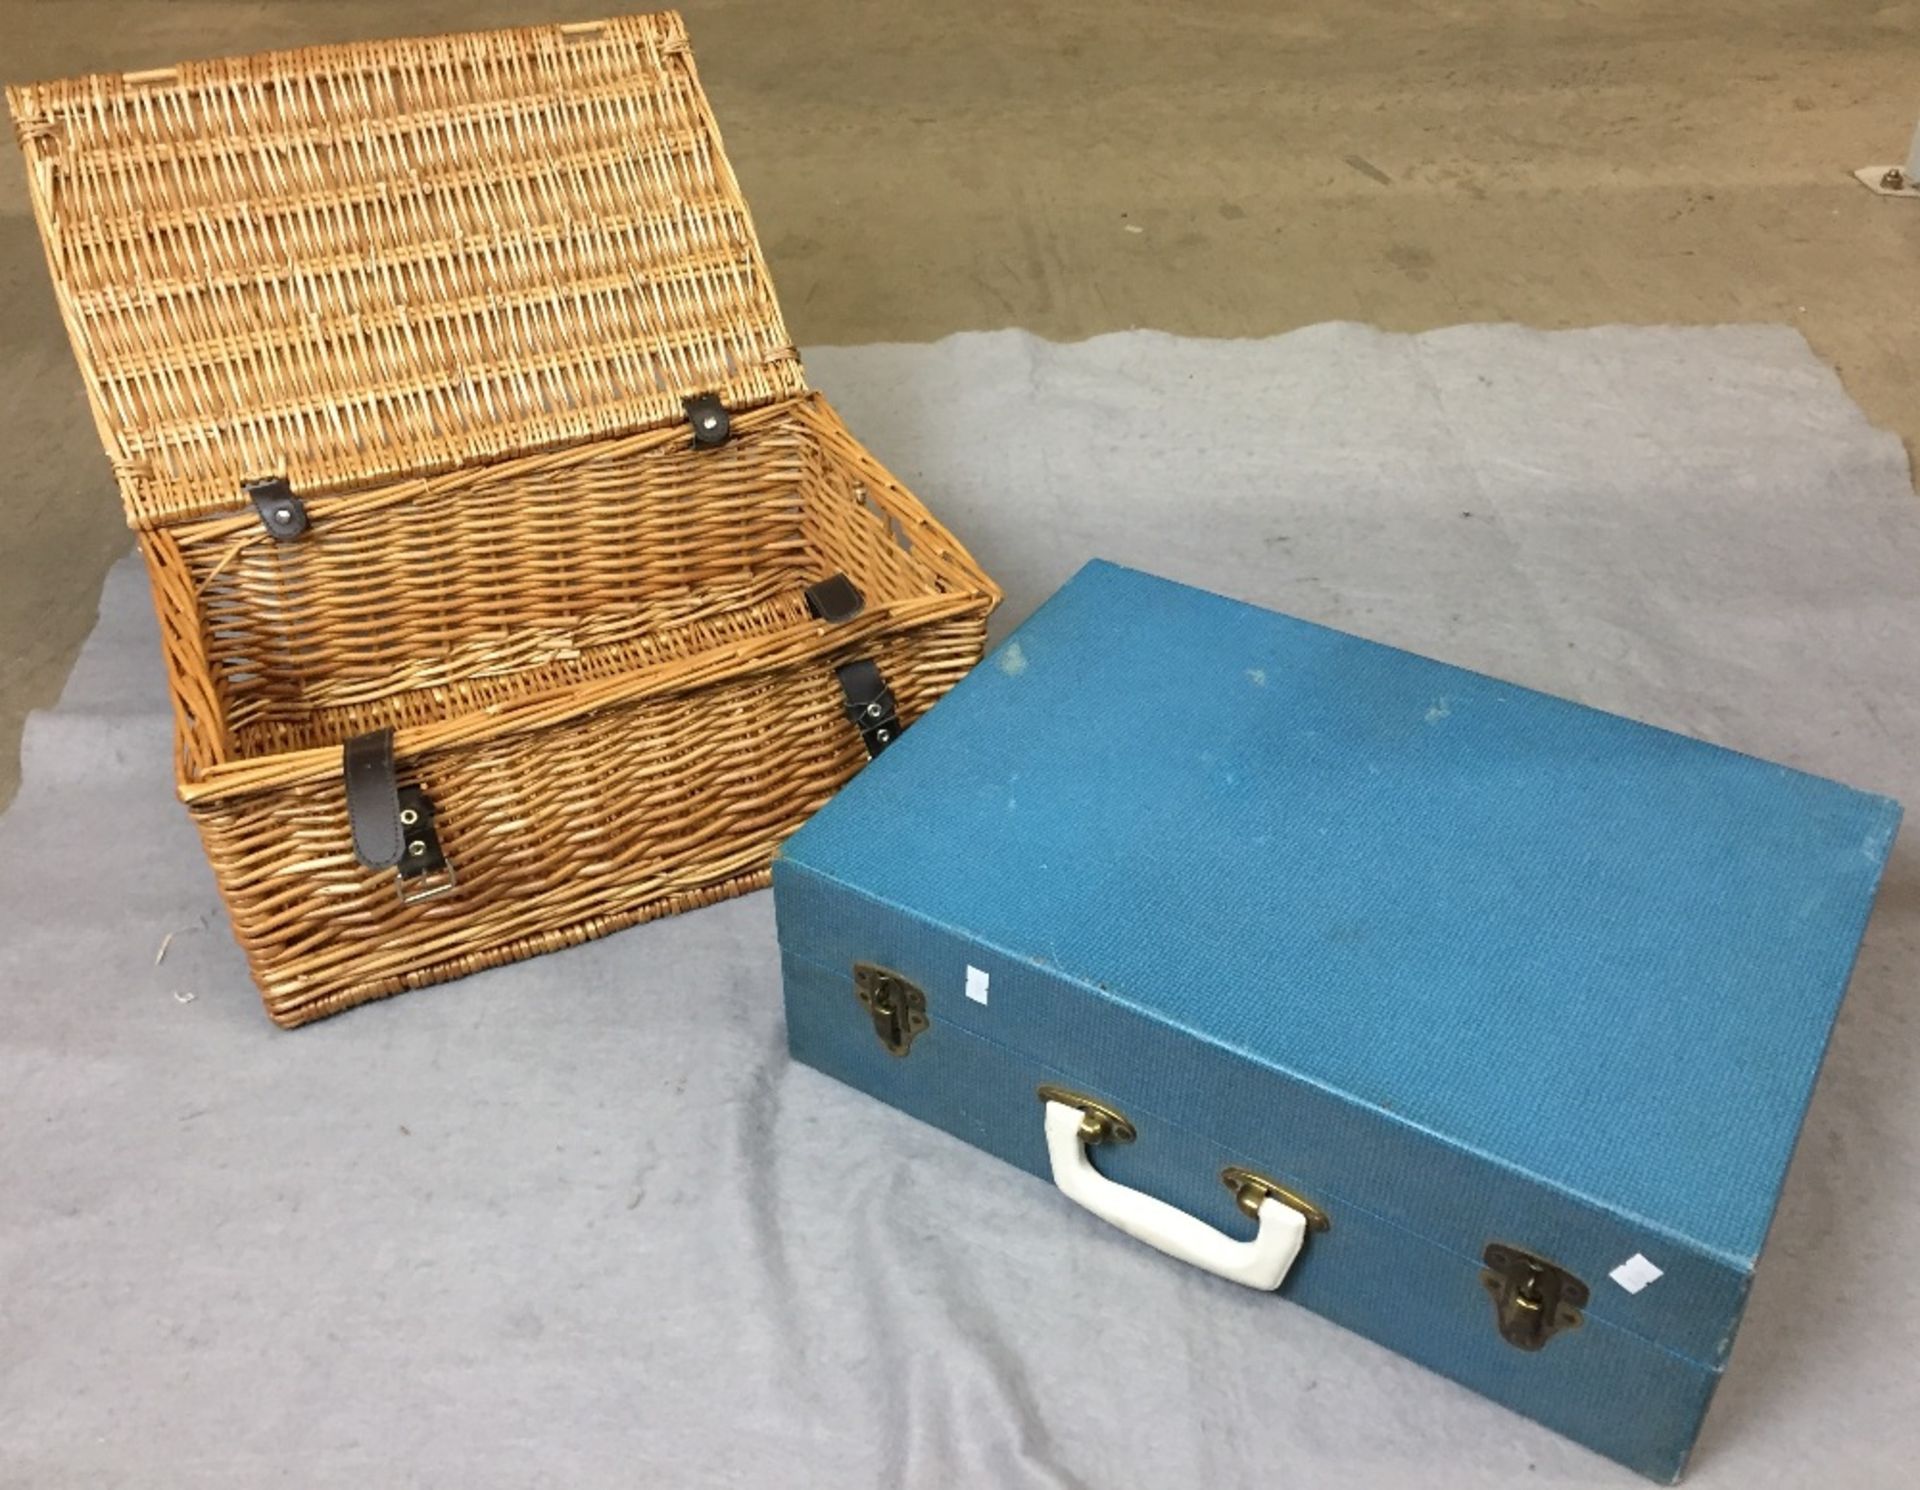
pixel 1251 1191
pixel 1099 1123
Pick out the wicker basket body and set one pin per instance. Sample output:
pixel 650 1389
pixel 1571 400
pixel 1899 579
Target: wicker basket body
pixel 456 292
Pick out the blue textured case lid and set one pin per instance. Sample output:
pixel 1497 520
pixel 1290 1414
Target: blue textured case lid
pixel 1597 952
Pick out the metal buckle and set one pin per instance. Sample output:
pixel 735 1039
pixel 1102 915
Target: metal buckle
pixel 412 892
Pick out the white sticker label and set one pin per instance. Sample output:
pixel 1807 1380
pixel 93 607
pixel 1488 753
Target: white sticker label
pixel 976 985
pixel 1635 1273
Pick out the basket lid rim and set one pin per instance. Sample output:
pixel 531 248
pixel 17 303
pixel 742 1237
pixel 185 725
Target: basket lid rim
pixel 361 262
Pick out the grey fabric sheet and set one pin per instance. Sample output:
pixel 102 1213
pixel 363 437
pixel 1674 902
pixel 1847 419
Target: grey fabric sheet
pixel 580 1222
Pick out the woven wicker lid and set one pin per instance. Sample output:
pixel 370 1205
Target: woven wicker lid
pixel 357 262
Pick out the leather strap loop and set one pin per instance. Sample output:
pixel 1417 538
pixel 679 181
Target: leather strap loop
pixel 373 799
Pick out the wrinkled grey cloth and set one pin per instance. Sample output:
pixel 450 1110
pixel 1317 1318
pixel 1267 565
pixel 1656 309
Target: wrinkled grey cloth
pixel 580 1222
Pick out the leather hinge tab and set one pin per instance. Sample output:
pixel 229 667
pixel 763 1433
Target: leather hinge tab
pixel 835 600
pixel 708 416
pixel 870 704
pixel 281 513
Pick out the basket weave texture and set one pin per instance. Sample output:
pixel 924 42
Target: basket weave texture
pixel 457 291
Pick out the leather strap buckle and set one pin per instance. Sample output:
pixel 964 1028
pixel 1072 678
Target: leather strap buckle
pixel 393 825
pixel 870 704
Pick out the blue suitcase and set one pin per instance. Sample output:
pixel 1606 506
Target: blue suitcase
pixel 1477 1021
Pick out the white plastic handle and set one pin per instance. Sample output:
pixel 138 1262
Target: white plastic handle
pixel 1261 1263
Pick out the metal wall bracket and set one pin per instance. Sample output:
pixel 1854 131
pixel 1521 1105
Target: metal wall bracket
pixel 1895 181
pixel 281 513
pixel 898 1008
pixel 1533 1299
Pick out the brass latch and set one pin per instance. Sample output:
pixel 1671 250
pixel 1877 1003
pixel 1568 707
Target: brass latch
pixel 1533 1300
pixel 898 1008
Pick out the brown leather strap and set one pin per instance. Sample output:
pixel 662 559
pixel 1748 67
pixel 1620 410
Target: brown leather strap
pixel 373 799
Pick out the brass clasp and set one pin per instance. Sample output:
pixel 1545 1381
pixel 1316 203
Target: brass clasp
pixel 898 1007
pixel 1533 1299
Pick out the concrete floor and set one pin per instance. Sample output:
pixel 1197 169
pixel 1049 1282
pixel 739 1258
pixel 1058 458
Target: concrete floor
pixel 1235 169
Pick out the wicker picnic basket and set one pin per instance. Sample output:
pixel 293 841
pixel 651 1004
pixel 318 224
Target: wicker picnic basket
pixel 513 586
